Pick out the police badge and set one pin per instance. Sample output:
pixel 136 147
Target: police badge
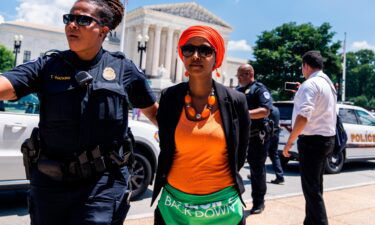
pixel 109 73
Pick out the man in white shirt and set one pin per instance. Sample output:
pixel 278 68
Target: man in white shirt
pixel 314 123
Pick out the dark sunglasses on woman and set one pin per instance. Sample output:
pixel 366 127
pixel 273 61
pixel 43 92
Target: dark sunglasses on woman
pixel 203 50
pixel 80 20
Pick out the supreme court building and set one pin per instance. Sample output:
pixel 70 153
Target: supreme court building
pixel 163 24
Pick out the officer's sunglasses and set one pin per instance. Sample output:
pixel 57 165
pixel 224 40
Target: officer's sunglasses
pixel 203 50
pixel 80 20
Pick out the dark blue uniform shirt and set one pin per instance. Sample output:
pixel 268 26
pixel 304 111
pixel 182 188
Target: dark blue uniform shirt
pixel 257 96
pixel 75 118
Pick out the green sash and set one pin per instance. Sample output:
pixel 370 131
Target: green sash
pixel 220 208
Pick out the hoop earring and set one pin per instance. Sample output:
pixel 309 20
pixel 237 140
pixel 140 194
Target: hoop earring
pixel 186 74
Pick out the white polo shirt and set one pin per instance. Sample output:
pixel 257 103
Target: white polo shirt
pixel 316 101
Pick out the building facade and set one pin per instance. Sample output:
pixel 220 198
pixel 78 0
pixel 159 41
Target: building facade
pixel 163 24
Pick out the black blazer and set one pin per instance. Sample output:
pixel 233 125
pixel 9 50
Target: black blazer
pixel 236 122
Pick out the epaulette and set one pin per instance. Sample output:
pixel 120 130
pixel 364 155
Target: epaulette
pixel 257 83
pixel 59 54
pixel 118 54
pixel 52 52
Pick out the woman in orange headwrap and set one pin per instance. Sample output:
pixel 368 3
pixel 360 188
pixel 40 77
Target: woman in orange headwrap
pixel 203 130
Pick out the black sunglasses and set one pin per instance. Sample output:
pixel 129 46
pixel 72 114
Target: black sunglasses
pixel 203 50
pixel 80 20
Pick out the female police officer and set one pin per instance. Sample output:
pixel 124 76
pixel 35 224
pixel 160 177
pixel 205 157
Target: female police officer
pixel 79 176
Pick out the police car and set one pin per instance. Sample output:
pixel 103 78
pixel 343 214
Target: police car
pixel 18 118
pixel 359 125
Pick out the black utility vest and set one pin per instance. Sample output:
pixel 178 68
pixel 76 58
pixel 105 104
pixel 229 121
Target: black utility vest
pixel 74 119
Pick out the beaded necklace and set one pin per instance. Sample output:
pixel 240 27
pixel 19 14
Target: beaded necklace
pixel 207 110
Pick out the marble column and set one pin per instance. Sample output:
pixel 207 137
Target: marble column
pixel 180 65
pixel 128 40
pixel 170 47
pixel 155 59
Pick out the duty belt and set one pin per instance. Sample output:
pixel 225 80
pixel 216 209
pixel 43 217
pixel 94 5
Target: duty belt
pixel 84 166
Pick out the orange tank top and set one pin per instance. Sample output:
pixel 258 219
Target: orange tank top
pixel 200 165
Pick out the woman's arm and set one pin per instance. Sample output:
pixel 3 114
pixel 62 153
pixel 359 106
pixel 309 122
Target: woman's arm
pixel 7 91
pixel 150 112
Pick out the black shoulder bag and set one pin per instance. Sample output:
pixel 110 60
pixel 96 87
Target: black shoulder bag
pixel 341 137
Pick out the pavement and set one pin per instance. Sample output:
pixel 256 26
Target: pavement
pixel 348 206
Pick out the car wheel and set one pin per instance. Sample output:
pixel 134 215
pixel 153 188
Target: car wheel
pixel 334 163
pixel 141 176
pixel 283 161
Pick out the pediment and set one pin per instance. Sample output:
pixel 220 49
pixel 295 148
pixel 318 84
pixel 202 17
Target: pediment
pixel 190 10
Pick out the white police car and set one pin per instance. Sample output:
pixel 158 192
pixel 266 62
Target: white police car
pixel 18 118
pixel 359 125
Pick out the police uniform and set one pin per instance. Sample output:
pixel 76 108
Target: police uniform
pixel 274 144
pixel 257 96
pixel 75 120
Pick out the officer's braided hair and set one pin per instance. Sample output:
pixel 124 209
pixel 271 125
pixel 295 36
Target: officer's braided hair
pixel 110 12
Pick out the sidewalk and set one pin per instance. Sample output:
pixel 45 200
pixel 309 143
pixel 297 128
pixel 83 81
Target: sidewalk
pixel 352 206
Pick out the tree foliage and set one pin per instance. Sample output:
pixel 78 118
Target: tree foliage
pixel 360 74
pixel 278 54
pixel 6 59
pixel 361 101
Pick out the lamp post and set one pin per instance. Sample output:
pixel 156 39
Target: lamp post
pixel 142 46
pixel 17 46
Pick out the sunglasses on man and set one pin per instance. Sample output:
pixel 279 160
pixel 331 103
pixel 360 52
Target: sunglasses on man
pixel 203 50
pixel 80 20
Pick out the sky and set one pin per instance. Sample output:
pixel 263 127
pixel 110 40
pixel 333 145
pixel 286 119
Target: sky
pixel 248 18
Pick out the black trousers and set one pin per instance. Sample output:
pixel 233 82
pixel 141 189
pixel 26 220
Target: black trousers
pixel 257 155
pixel 274 156
pixel 158 218
pixel 313 152
pixel 103 200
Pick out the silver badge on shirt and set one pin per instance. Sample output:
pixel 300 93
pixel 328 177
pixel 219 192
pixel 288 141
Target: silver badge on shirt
pixel 109 73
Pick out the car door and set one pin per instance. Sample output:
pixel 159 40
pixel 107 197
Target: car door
pixel 286 111
pixel 355 132
pixel 17 119
pixel 353 129
pixel 367 139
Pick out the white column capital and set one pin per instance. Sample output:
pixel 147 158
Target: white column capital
pixel 145 27
pixel 158 27
pixel 138 30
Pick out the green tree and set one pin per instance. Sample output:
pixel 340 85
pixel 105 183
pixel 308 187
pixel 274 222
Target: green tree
pixel 360 74
pixel 371 103
pixel 361 101
pixel 278 53
pixel 6 59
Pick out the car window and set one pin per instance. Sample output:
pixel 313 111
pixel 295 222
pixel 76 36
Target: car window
pixel 348 116
pixel 286 111
pixel 365 118
pixel 28 104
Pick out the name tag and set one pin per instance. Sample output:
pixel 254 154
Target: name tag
pixel 60 77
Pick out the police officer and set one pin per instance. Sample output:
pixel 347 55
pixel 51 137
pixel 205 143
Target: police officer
pixel 273 148
pixel 260 103
pixel 78 162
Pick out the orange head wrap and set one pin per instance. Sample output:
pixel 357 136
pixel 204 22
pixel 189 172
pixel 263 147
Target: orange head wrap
pixel 208 33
